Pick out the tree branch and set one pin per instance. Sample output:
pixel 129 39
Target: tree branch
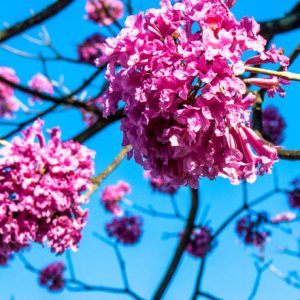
pixel 180 248
pixel 47 13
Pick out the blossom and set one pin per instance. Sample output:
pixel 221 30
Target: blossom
pixel 200 242
pixel 186 110
pixel 272 84
pixel 284 217
pixel 52 276
pixel 126 229
pixel 41 191
pixel 250 229
pixel 294 194
pixel 42 84
pixel 162 185
pixel 273 125
pixel 104 12
pixel 91 48
pixel 113 194
pixel 8 102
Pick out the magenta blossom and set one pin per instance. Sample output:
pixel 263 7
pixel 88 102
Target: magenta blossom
pixel 186 111
pixel 8 102
pixel 273 125
pixel 42 84
pixel 126 230
pixel 250 229
pixel 294 194
pixel 162 185
pixel 91 48
pixel 104 12
pixel 52 277
pixel 41 191
pixel 200 242
pixel 284 217
pixel 113 194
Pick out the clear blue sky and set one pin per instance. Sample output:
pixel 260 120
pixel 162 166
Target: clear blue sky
pixel 230 272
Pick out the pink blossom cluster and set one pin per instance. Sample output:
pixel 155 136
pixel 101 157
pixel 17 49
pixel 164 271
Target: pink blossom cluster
pixel 8 102
pixel 250 229
pixel 284 217
pixel 162 185
pixel 273 125
pixel 41 191
pixel 186 110
pixel 91 48
pixel 113 194
pixel 200 242
pixel 294 194
pixel 52 276
pixel 126 229
pixel 89 117
pixel 104 12
pixel 42 84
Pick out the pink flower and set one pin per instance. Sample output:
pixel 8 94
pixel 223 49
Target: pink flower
pixel 91 48
pixel 284 217
pixel 113 194
pixel 8 102
pixel 52 277
pixel 104 12
pixel 126 230
pixel 42 84
pixel 294 194
pixel 186 111
pixel 271 84
pixel 273 125
pixel 200 242
pixel 41 191
pixel 162 185
pixel 250 229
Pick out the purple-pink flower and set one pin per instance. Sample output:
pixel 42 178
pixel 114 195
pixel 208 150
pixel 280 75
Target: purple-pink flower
pixel 41 191
pixel 104 12
pixel 200 242
pixel 284 217
pixel 186 111
pixel 250 228
pixel 91 48
pixel 8 102
pixel 273 125
pixel 294 194
pixel 126 229
pixel 162 185
pixel 52 276
pixel 113 194
pixel 42 84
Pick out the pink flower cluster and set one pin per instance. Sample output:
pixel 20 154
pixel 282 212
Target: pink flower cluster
pixel 8 102
pixel 91 48
pixel 284 217
pixel 42 84
pixel 273 125
pixel 41 191
pixel 294 194
pixel 186 110
pixel 250 229
pixel 113 194
pixel 52 276
pixel 162 185
pixel 104 12
pixel 127 229
pixel 200 242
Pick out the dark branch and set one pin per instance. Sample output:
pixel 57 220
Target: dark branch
pixel 180 248
pixel 47 13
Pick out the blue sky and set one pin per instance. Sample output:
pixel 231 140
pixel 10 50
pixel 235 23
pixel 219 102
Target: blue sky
pixel 230 271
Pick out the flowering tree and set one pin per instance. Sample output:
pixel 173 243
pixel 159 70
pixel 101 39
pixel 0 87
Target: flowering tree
pixel 186 82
